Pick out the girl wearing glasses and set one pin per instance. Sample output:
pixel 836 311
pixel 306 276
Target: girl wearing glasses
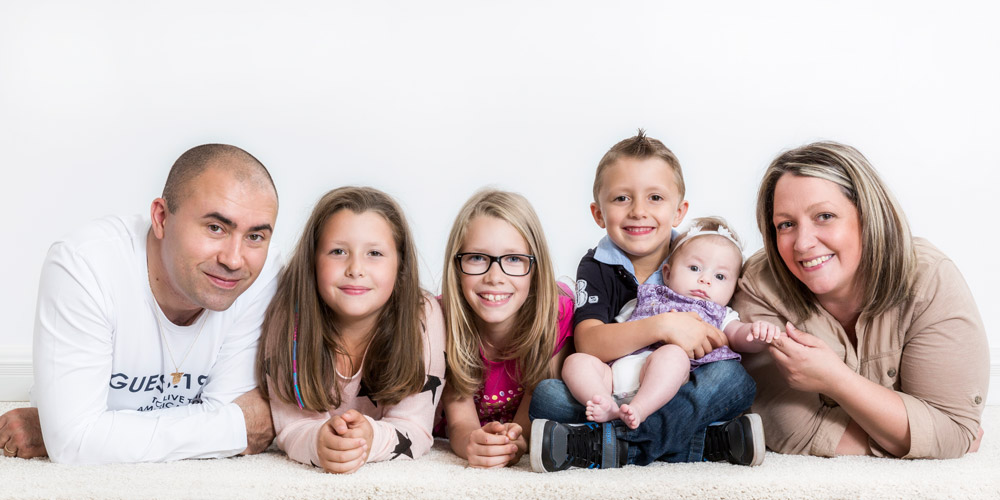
pixel 509 325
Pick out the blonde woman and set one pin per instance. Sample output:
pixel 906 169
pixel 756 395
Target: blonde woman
pixel 895 361
pixel 509 326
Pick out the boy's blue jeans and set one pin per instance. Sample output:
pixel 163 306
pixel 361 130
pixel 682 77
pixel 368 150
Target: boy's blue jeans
pixel 717 391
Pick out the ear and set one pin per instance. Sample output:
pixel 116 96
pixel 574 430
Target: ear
pixel 682 210
pixel 158 215
pixel 665 271
pixel 595 210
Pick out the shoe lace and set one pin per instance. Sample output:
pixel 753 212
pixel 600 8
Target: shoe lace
pixel 716 444
pixel 583 447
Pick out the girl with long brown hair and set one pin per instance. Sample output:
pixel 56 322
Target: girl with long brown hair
pixel 352 351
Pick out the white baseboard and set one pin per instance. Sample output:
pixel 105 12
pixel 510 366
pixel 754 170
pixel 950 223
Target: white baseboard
pixel 16 377
pixel 15 372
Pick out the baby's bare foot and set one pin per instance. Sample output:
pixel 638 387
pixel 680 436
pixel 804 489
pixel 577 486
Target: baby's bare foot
pixel 631 415
pixel 602 409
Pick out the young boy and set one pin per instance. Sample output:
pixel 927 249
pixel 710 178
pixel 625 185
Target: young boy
pixel 638 200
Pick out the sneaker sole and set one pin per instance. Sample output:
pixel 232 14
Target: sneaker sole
pixel 757 427
pixel 535 449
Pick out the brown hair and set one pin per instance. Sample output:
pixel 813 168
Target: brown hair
pixel 393 366
pixel 639 147
pixel 536 328
pixel 888 259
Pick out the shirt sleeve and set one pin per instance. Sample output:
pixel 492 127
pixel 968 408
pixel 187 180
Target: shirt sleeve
pixel 593 287
pixel 73 342
pixel 944 369
pixel 731 315
pixel 296 430
pixel 404 431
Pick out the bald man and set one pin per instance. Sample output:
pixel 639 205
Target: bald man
pixel 146 329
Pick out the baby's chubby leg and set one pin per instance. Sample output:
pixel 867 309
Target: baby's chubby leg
pixel 664 372
pixel 589 380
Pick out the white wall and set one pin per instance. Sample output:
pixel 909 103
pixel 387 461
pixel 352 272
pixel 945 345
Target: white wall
pixel 430 100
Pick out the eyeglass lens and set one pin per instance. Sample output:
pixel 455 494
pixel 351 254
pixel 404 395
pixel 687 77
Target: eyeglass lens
pixel 510 264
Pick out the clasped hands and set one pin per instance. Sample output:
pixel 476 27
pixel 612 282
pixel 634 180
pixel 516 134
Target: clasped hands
pixel 495 445
pixel 344 442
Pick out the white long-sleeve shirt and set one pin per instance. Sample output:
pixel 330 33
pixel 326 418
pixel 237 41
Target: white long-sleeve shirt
pixel 103 383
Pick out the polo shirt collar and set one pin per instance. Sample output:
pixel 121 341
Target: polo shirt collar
pixel 609 253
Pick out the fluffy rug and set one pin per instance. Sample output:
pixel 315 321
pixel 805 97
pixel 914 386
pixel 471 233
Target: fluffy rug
pixel 440 474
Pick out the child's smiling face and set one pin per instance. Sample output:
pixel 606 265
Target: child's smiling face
pixel 494 297
pixel 639 204
pixel 356 265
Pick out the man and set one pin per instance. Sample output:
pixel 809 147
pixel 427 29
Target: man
pixel 146 330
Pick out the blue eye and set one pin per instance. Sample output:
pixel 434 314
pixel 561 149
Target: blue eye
pixel 514 259
pixel 476 258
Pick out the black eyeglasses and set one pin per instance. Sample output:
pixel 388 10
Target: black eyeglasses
pixel 512 264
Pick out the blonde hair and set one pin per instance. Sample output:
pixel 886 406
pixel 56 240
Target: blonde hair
pixel 888 259
pixel 536 326
pixel 639 147
pixel 393 366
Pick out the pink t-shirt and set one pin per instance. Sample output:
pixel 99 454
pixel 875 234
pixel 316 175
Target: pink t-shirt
pixel 501 393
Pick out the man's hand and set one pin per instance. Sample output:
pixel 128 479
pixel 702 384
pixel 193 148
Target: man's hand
pixel 343 442
pixel 21 434
pixel 260 427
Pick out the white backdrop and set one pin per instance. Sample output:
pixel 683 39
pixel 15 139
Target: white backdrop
pixel 431 100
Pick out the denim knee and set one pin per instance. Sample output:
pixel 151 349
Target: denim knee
pixel 552 400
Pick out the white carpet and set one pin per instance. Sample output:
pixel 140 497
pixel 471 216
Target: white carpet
pixel 440 474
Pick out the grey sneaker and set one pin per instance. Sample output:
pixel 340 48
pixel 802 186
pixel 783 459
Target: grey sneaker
pixel 556 446
pixel 739 441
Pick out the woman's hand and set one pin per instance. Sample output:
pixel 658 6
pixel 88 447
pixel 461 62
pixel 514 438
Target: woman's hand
pixel 342 444
pixel 806 362
pixel 495 445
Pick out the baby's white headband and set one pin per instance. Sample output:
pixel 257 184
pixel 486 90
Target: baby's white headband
pixel 697 230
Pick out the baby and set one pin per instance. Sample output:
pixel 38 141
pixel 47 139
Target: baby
pixel 699 276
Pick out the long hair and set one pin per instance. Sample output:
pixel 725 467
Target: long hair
pixel 536 326
pixel 888 260
pixel 393 367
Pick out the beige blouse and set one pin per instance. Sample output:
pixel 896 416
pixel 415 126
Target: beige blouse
pixel 931 351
